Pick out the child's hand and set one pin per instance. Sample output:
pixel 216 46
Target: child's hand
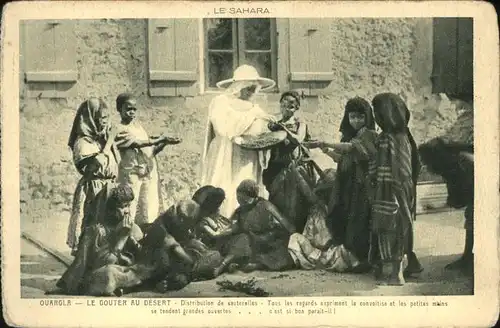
pixel 162 286
pixel 273 126
pixel 124 260
pixel 127 222
pixel 170 140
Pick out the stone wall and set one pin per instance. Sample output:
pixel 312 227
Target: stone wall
pixel 369 56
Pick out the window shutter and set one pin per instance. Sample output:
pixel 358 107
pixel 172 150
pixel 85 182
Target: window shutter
pixel 453 49
pixel 49 49
pixel 310 55
pixel 444 69
pixel 173 46
pixel 465 57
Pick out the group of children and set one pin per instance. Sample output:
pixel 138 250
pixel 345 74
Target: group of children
pixel 103 153
pixel 363 221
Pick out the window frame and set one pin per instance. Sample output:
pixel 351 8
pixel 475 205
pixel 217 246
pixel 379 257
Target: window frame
pixel 239 51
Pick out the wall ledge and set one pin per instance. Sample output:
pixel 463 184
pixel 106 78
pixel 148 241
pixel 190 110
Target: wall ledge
pixel 51 76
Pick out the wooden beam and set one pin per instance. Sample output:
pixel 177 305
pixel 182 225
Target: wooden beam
pixel 47 249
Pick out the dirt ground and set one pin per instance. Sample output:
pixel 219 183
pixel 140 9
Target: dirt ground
pixel 439 240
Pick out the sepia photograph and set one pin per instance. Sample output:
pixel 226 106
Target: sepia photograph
pixel 334 151
pixel 243 154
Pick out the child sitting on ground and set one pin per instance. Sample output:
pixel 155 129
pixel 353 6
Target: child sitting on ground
pixel 211 223
pixel 110 240
pixel 259 239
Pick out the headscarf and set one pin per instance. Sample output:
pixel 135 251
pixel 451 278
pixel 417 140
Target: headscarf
pixel 86 121
pixel 397 159
pixel 356 105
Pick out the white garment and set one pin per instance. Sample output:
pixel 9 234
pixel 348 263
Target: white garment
pixel 138 169
pixel 225 164
pixel 305 256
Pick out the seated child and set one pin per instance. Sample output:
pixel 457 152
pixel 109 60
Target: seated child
pixel 109 240
pixel 259 239
pixel 174 251
pixel 211 223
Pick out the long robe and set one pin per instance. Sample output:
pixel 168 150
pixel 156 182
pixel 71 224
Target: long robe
pixel 351 212
pixel 394 173
pixel 226 164
pixel 280 178
pixel 96 171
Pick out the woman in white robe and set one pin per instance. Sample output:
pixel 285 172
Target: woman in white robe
pixel 225 164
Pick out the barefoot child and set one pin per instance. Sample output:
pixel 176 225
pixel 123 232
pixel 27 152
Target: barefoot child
pixel 394 175
pixel 349 203
pixel 138 167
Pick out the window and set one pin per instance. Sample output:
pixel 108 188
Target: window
pixel 230 43
pixel 48 52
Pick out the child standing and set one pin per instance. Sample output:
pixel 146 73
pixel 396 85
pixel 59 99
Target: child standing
pixel 394 175
pixel 138 167
pixel 349 203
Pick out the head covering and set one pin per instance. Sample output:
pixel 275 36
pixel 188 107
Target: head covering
pixel 356 105
pixel 391 113
pixel 397 158
pixel 86 121
pixel 245 76
pixel 122 98
pixel 249 188
pixel 209 198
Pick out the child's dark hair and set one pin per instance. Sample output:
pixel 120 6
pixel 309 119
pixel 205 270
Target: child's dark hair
pixel 293 94
pixel 122 98
pixel 209 198
pixel 356 105
pixel 119 195
pixel 248 187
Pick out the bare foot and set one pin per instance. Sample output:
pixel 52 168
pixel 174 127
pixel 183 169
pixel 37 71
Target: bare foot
pixel 414 267
pixel 377 271
pixel 458 264
pixel 391 281
pixel 233 267
pixel 162 286
pixel 250 267
pixel 362 267
pixel 218 271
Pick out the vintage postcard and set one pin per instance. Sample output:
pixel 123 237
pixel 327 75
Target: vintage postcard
pixel 250 164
